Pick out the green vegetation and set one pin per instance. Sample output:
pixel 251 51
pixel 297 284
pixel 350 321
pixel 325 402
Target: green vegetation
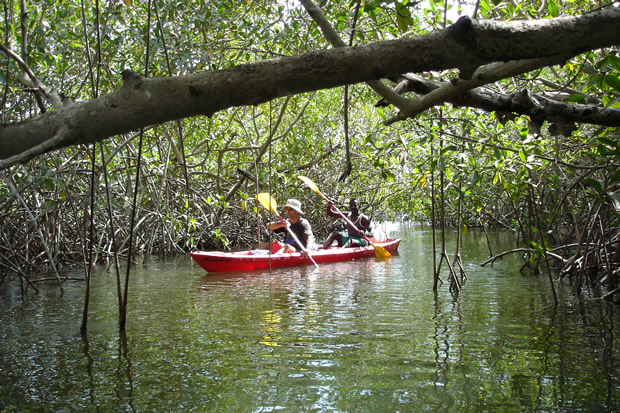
pixel 556 184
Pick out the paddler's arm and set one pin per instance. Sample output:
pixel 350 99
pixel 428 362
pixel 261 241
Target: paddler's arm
pixel 275 225
pixel 331 212
pixel 309 245
pixel 308 235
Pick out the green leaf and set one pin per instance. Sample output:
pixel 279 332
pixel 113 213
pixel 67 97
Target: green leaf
pixel 472 161
pixel 613 61
pixel 371 6
pixel 497 153
pixel 609 142
pixel 369 139
pixel 403 17
pixel 596 184
pixel 576 98
pixel 553 8
pixel 381 112
pixel 388 175
pixel 448 148
pixel 615 178
pixel 474 178
pixel 613 81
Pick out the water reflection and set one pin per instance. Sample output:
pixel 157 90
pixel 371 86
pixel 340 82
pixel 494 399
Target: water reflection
pixel 270 328
pixel 89 370
pixel 124 388
pixel 442 336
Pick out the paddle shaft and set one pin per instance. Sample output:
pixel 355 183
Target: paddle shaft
pixel 290 231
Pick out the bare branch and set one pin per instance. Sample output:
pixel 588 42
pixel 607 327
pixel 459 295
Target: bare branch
pixel 538 108
pixel 482 76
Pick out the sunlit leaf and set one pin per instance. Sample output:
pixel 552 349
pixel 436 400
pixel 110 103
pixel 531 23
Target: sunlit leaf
pixel 552 7
pixel 381 112
pixel 422 181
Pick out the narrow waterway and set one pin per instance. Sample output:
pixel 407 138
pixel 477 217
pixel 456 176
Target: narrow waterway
pixel 365 336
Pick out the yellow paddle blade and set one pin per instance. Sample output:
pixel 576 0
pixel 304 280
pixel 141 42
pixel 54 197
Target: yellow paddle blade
pixel 267 201
pixel 310 184
pixel 381 252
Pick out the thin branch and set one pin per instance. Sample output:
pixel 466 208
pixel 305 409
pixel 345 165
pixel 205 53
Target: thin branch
pixel 53 98
pixel 13 189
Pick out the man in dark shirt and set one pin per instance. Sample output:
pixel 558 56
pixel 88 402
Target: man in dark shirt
pixel 298 225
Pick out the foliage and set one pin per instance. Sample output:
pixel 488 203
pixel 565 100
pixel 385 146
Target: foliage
pixel 551 188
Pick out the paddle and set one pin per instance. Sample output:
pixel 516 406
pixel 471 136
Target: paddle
pixel 270 204
pixel 379 250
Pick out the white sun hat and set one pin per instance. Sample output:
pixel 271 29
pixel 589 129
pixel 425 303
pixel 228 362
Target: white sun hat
pixel 293 203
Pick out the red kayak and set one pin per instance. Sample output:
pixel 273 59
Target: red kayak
pixel 216 261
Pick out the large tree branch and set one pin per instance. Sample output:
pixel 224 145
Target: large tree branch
pixel 466 45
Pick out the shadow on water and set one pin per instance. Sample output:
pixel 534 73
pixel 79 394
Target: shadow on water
pixel 368 335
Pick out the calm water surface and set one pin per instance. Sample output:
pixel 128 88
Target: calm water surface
pixel 360 336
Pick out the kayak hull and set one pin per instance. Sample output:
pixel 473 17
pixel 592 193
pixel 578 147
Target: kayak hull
pixel 216 261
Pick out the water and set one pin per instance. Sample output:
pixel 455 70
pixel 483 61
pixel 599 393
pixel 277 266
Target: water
pixel 359 336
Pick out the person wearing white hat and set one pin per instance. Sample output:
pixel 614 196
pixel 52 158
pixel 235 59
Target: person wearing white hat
pixel 298 225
